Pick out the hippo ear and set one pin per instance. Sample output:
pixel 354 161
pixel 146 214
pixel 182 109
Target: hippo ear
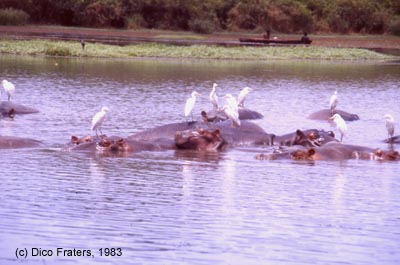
pixel 74 139
pixel 300 133
pixel 105 142
pixel 87 139
pixel 201 131
pixel 311 152
pixel 217 132
pixel 378 152
pixel 121 142
pixel 331 134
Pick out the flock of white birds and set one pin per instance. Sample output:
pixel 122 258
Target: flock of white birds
pixel 230 108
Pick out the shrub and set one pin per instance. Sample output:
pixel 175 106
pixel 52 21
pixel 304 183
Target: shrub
pixel 57 51
pixel 201 26
pixel 394 26
pixel 11 16
pixel 135 21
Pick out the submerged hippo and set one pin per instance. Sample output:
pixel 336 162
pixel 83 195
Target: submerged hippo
pixel 200 140
pixel 247 134
pixel 325 114
pixel 308 138
pixel 113 145
pixel 332 151
pixel 9 109
pixel 11 142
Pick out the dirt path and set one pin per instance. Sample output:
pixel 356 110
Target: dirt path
pixel 124 37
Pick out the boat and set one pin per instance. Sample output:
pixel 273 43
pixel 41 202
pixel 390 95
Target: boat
pixel 269 41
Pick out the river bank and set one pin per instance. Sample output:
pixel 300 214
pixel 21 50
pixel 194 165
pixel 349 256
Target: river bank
pixel 65 41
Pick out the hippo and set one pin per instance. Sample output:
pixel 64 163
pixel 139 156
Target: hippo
pixel 344 152
pixel 325 114
pixel 113 145
pixel 200 140
pixel 244 114
pixel 283 152
pixel 332 151
pixel 11 142
pixel 9 109
pixel 247 134
pixel 308 138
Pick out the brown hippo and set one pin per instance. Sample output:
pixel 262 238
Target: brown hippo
pixel 308 138
pixel 332 151
pixel 338 151
pixel 283 152
pixel 325 114
pixel 11 142
pixel 8 108
pixel 200 140
pixel 113 145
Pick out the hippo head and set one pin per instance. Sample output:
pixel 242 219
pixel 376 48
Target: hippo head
pixel 308 139
pixel 200 140
pixel 307 154
pixel 386 155
pixel 75 140
pixel 114 145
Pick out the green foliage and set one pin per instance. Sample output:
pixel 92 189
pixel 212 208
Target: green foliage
pixel 201 26
pixel 11 16
pixel 63 48
pixel 286 16
pixel 394 26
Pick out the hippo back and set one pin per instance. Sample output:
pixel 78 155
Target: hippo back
pixel 10 142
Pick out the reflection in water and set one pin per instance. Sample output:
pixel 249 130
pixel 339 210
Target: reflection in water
pixel 183 207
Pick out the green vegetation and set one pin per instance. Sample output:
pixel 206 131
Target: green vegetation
pixel 206 16
pixel 10 16
pixel 64 48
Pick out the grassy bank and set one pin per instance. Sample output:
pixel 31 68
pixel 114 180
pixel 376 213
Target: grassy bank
pixel 73 49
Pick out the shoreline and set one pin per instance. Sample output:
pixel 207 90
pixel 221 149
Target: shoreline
pixel 65 42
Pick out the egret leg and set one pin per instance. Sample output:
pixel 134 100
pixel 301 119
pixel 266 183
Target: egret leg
pixel 9 97
pixel 341 138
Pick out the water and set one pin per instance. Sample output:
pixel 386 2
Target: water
pixel 196 208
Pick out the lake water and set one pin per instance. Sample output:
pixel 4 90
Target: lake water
pixel 196 208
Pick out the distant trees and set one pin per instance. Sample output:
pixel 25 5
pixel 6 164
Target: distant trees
pixel 205 16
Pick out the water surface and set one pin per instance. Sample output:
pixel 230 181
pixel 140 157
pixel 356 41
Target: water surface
pixel 196 208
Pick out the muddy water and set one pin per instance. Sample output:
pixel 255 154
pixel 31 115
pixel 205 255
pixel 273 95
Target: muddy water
pixel 195 208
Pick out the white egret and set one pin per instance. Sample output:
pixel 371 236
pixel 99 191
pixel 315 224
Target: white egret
pixel 340 124
pixel 190 104
pixel 214 97
pixel 231 109
pixel 333 101
pixel 242 96
pixel 98 119
pixel 232 114
pixel 9 88
pixel 389 125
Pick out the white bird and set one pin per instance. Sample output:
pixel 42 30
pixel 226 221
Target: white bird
pixel 98 119
pixel 340 124
pixel 9 88
pixel 333 101
pixel 231 110
pixel 214 97
pixel 190 104
pixel 389 125
pixel 242 96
